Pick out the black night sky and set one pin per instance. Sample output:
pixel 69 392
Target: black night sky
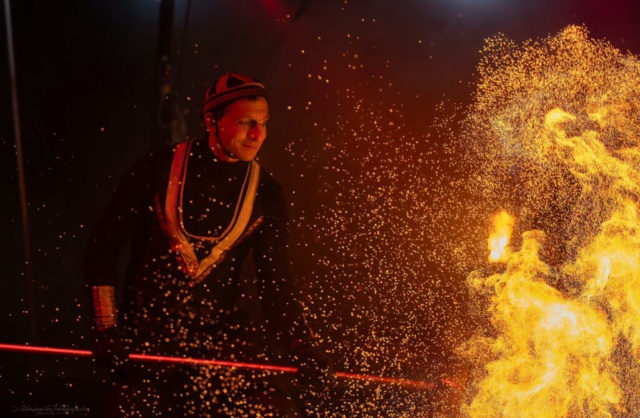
pixel 87 82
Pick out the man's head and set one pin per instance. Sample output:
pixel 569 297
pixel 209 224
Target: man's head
pixel 236 113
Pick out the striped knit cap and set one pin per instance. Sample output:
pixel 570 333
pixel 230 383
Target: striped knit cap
pixel 231 87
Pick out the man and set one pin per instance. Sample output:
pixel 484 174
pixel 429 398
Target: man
pixel 194 211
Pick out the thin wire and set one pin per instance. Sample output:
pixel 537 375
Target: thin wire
pixel 31 303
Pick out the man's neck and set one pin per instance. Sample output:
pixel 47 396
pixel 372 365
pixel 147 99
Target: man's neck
pixel 216 148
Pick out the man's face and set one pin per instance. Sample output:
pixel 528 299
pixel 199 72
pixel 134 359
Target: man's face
pixel 243 128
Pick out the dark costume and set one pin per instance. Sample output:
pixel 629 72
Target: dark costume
pixel 192 223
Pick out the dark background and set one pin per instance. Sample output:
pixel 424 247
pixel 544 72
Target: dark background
pixel 87 83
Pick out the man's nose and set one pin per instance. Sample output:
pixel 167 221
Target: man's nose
pixel 258 133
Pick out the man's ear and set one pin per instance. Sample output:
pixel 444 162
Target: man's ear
pixel 208 121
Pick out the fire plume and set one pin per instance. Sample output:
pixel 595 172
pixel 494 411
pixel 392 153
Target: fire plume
pixel 561 115
pixel 552 353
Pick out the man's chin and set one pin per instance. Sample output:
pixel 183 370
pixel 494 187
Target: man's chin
pixel 247 157
pixel 247 154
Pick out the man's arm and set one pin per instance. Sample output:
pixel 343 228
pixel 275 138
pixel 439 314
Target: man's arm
pixel 113 231
pixel 116 225
pixel 281 300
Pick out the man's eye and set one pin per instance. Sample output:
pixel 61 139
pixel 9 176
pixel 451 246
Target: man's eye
pixel 251 123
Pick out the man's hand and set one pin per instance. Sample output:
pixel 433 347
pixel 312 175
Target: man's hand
pixel 109 350
pixel 315 367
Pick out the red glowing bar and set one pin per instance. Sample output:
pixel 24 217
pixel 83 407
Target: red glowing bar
pixel 205 362
pixel 45 350
pixel 387 380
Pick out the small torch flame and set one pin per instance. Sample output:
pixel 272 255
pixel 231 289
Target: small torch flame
pixel 499 239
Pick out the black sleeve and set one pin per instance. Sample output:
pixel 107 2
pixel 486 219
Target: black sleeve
pixel 279 298
pixel 115 228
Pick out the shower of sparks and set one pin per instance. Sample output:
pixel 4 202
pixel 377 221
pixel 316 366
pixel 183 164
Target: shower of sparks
pixel 381 295
pixel 554 134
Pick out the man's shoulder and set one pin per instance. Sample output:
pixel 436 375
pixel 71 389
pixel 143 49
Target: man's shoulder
pixel 158 158
pixel 169 151
pixel 274 200
pixel 268 182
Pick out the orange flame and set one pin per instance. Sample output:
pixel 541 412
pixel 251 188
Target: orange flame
pixel 552 354
pixel 499 239
pixel 567 338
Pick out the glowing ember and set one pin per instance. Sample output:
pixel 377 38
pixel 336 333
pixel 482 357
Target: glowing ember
pixel 499 239
pixel 559 118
